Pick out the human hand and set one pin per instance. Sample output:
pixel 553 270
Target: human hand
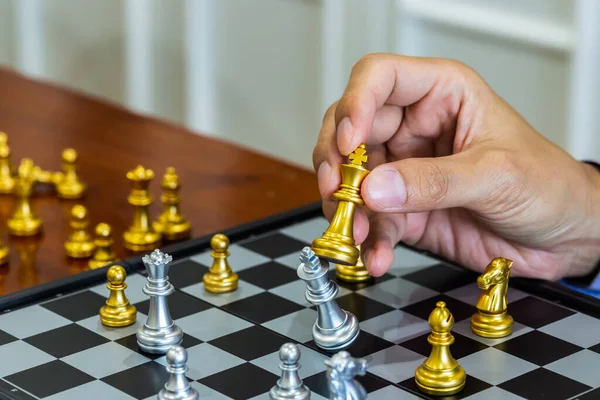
pixel 456 171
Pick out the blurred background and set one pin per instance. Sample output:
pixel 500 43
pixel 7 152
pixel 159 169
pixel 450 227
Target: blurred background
pixel 262 72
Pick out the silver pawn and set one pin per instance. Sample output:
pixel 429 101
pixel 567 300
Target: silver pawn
pixel 177 387
pixel 341 371
pixel 335 329
pixel 289 386
pixel 159 333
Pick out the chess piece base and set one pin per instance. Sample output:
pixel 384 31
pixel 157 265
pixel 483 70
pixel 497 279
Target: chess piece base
pixel 3 254
pixel 173 231
pixel 352 274
pixel 79 249
pixel 216 284
pixel 299 393
pixel 335 251
pixel 440 383
pixel 6 185
pixel 138 241
pixel 167 395
pixel 337 338
pixel 491 325
pixel 158 341
pixel 70 190
pixel 95 264
pixel 118 316
pixel 25 227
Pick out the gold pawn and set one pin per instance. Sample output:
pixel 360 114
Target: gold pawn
pixel 80 243
pixel 103 255
pixel 68 184
pixel 353 273
pixel 440 374
pixel 141 236
pixel 171 223
pixel 24 221
pixel 337 244
pixel 7 180
pixel 117 311
pixel 220 278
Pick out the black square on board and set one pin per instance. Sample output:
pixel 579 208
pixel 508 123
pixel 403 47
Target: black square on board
pixel 262 307
pixel 274 245
pixel 268 275
pixel 362 307
pixel 5 338
pixel 364 345
pixel 441 277
pixel 131 343
pixel 186 273
pixel 250 343
pixel 78 306
pixel 241 382
pixel 66 340
pixel 538 348
pixel 140 382
pixel 591 395
pixel 459 309
pixel 536 313
pixel 48 379
pixel 544 384
pixel 180 305
pixel 462 346
pixel 318 383
pixel 472 386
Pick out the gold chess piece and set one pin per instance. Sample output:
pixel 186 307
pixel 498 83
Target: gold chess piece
pixel 492 319
pixel 220 278
pixel 68 184
pixel 141 236
pixel 80 243
pixel 440 374
pixel 4 252
pixel 337 243
pixel 103 255
pixel 171 223
pixel 353 273
pixel 24 221
pixel 117 311
pixel 7 180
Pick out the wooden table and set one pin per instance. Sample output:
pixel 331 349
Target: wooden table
pixel 223 185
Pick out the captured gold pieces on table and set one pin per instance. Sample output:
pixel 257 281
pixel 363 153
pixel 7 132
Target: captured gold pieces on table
pixel 103 254
pixel 337 242
pixel 440 374
pixel 171 223
pixel 80 243
pixel 24 221
pixel 3 253
pixel 141 236
pixel 492 319
pixel 117 311
pixel 353 273
pixel 68 184
pixel 7 180
pixel 220 278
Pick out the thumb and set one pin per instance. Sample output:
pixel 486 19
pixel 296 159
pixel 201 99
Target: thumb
pixel 424 184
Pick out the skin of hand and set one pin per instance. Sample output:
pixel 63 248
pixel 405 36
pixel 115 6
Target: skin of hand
pixel 456 171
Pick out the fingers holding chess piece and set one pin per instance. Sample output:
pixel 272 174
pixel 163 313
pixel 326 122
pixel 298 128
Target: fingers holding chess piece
pixel 68 184
pixel 171 223
pixel 103 253
pixel 80 243
pixel 177 386
pixel 440 374
pixel 24 221
pixel 337 244
pixel 353 273
pixel 7 180
pixel 220 278
pixel 117 312
pixel 492 319
pixel 140 236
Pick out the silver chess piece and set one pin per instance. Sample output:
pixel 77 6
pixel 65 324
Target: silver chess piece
pixel 289 386
pixel 177 387
pixel 335 329
pixel 159 333
pixel 342 369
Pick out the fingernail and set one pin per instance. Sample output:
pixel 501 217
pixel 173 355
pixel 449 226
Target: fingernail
pixel 323 178
pixel 345 134
pixel 386 189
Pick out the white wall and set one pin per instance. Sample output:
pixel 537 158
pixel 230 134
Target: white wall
pixel 270 78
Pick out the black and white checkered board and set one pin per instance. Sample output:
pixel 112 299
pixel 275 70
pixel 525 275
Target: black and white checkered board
pixel 59 350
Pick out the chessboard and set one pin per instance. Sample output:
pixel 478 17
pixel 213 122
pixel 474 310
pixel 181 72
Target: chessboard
pixel 53 346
